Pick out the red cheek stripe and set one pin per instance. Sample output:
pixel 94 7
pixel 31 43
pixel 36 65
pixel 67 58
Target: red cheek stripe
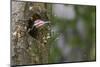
pixel 39 23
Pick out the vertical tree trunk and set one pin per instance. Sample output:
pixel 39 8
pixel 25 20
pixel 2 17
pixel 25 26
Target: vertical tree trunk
pixel 25 49
pixel 19 54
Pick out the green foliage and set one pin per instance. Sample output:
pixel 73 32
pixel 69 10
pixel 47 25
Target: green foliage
pixel 75 40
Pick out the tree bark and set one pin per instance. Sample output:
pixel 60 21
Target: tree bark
pixel 25 49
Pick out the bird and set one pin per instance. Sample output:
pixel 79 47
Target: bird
pixel 35 23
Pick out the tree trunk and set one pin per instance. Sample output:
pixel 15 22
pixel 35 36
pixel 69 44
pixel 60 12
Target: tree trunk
pixel 25 49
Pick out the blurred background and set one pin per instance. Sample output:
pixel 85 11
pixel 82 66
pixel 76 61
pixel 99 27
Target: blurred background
pixel 73 33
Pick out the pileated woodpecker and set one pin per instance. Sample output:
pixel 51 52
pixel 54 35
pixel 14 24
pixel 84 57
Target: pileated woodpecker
pixel 36 22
